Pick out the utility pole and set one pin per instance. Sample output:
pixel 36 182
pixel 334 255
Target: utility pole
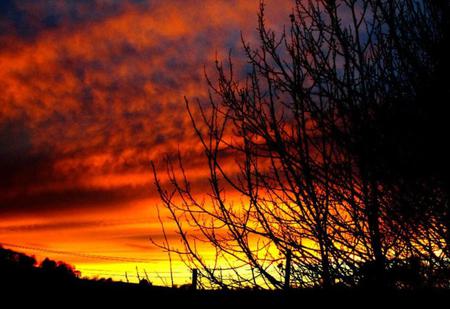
pixel 287 268
pixel 194 278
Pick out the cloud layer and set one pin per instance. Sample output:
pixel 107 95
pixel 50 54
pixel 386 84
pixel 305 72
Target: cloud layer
pixel 92 91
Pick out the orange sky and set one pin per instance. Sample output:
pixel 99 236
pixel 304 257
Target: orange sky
pixel 92 91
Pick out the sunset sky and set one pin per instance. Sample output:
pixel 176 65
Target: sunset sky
pixel 91 92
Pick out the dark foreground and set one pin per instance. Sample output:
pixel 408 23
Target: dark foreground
pixel 88 294
pixel 24 283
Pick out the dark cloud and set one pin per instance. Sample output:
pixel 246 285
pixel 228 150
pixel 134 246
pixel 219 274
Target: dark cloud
pixel 81 199
pixel 63 225
pixel 26 19
pixel 19 164
pixel 68 225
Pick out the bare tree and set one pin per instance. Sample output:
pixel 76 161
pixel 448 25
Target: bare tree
pixel 306 128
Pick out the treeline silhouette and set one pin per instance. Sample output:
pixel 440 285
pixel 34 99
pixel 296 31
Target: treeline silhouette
pixel 23 280
pixel 20 269
pixel 339 133
pixel 16 267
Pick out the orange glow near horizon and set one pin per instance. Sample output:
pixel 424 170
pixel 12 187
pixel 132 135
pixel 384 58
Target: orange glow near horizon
pixel 91 93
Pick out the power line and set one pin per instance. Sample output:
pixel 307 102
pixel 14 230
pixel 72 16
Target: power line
pixel 86 255
pixel 159 275
pixel 115 270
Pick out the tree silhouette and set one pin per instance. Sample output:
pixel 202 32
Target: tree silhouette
pixel 333 132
